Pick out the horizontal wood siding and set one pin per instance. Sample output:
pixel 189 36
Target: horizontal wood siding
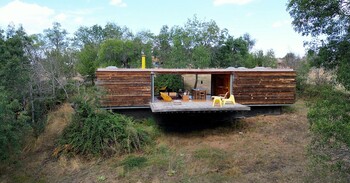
pixel 132 88
pixel 129 89
pixel 264 87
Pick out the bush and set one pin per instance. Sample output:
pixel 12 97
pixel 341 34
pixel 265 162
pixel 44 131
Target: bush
pixel 302 72
pixel 329 119
pixel 94 131
pixel 171 81
pixel 14 126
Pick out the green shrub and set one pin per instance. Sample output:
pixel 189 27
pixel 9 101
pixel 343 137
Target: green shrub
pixel 329 119
pixel 94 131
pixel 302 72
pixel 14 126
pixel 171 81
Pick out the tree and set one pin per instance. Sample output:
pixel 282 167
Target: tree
pixel 259 59
pixel 320 17
pixel 87 62
pixel 14 74
pixel 57 56
pixel 13 63
pixel 233 52
pixel 120 53
pixel 113 31
pixel 291 60
pixel 92 36
pixel 162 44
pixel 328 21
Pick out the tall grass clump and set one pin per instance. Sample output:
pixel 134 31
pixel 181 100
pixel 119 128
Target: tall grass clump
pixel 95 131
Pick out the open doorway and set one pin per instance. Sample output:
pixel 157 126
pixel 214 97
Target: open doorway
pixel 220 84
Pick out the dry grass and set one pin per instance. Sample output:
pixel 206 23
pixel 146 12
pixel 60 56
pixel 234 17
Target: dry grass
pixel 257 149
pixel 57 121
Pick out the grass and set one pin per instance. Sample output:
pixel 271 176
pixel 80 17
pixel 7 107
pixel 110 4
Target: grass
pixel 132 162
pixel 257 149
pixel 213 156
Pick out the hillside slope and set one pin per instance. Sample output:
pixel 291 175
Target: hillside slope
pixel 256 149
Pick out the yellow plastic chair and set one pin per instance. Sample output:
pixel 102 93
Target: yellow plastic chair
pixel 222 96
pixel 165 97
pixel 229 100
pixel 217 100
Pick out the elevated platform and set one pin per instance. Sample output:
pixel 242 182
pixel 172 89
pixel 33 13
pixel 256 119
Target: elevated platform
pixel 194 106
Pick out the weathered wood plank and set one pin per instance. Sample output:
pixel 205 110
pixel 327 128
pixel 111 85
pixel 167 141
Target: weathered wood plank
pixel 263 82
pixel 267 90
pixel 126 102
pixel 263 74
pixel 125 88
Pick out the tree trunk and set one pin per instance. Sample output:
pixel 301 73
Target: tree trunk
pixel 32 101
pixel 62 86
pixel 196 81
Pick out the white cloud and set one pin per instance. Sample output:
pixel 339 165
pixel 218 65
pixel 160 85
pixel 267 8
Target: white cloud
pixel 238 2
pixel 61 17
pixel 32 16
pixel 79 20
pixel 118 3
pixel 35 18
pixel 279 24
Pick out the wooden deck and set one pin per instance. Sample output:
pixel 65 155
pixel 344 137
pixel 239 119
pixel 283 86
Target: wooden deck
pixel 194 106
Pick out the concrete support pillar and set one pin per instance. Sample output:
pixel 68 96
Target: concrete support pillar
pixel 231 83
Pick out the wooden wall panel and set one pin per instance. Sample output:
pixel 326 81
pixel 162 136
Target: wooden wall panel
pixel 264 88
pixel 132 88
pixel 124 89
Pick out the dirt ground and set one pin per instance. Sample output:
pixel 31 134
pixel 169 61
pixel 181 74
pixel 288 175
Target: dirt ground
pixel 255 149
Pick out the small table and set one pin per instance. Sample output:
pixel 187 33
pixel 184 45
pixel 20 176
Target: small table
pixel 199 94
pixel 185 98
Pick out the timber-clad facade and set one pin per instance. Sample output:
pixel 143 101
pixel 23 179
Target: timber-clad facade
pixel 125 88
pixel 262 88
pixel 258 86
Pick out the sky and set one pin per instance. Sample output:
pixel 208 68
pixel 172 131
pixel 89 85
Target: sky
pixel 267 21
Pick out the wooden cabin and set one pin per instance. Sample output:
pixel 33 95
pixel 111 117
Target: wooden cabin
pixel 134 88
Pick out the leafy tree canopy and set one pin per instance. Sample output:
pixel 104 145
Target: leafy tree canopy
pixel 328 21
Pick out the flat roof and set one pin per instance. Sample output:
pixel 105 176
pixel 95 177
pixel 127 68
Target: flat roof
pixel 195 71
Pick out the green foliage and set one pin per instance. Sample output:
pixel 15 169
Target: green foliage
pixel 14 74
pixel 132 162
pixel 200 57
pixel 329 116
pixel 330 124
pixel 302 72
pixel 259 59
pixel 319 17
pixel 95 131
pixel 87 62
pixel 115 52
pixel 327 21
pixel 233 52
pixel 171 81
pixel 200 44
pixel 13 127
